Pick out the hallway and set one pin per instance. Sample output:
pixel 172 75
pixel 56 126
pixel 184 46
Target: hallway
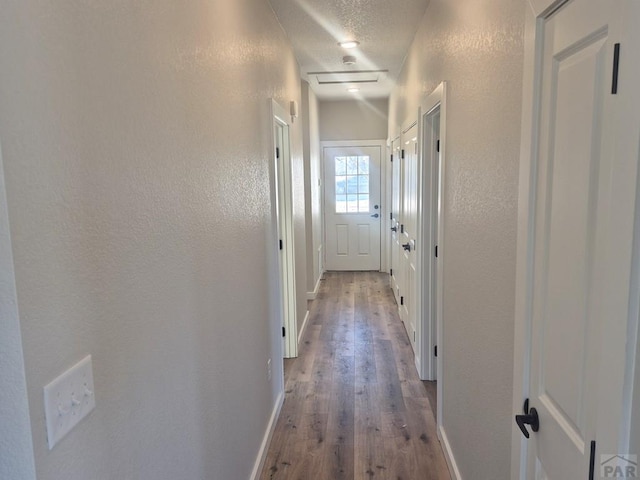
pixel 354 406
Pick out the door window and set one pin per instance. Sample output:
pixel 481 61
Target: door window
pixel 352 184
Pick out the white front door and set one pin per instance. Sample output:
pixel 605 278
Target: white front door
pixel 408 234
pixel 579 254
pixel 353 212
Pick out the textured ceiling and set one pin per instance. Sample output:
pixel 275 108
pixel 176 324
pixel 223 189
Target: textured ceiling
pixel 384 28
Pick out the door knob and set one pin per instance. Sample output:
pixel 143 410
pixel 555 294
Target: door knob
pixel 375 215
pixel 530 418
pixel 394 229
pixel 376 207
pixel 406 246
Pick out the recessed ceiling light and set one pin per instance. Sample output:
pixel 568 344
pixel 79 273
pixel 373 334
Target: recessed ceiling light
pixel 353 89
pixel 349 44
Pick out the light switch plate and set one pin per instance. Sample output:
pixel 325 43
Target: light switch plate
pixel 68 399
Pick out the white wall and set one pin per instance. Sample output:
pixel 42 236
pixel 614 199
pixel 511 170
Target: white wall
pixel 313 197
pixel 353 119
pixel 136 142
pixel 16 451
pixel 477 46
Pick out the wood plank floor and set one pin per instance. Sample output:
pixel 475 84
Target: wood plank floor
pixel 354 406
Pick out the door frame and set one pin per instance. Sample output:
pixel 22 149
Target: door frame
pixel 382 145
pixel 434 103
pixel 16 420
pixel 535 12
pixel 386 193
pixel 282 210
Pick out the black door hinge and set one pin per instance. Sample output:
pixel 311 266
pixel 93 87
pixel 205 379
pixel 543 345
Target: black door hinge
pixel 436 251
pixel 390 215
pixel 391 271
pixel 280 244
pixel 392 157
pixel 438 146
pixel 402 154
pixel 277 152
pixel 401 228
pixel 401 300
pixel 284 332
pixel 616 65
pixel 435 351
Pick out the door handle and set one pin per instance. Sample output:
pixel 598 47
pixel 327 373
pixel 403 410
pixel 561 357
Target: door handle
pixel 375 215
pixel 394 229
pixel 530 418
pixel 406 246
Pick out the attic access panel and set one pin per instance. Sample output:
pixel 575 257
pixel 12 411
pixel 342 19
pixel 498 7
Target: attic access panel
pixel 345 77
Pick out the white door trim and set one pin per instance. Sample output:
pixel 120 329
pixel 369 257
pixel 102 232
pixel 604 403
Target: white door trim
pixel 436 101
pixel 384 204
pixel 385 199
pixel 15 422
pixel 281 193
pixel 522 321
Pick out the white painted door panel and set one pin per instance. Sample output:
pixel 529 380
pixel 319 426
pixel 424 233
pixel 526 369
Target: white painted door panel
pixel 408 231
pixel 353 211
pixel 396 195
pixel 573 243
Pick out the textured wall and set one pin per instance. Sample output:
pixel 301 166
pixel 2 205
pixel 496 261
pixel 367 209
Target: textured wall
pixel 353 120
pixel 477 46
pixel 311 141
pixel 16 452
pixel 136 145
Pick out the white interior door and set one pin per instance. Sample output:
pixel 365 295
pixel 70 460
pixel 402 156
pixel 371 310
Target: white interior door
pixel 582 212
pixel 409 231
pixel 353 212
pixel 396 195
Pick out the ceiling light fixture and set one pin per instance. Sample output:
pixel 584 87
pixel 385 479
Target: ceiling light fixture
pixel 349 44
pixel 353 89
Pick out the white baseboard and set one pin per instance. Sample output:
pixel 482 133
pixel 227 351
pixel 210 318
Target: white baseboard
pixel 266 440
pixel 448 455
pixel 314 294
pixel 303 328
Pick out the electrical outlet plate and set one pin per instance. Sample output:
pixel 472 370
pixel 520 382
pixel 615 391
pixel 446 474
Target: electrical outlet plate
pixel 68 399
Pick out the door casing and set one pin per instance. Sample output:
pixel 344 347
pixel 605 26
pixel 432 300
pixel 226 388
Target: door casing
pixel 431 215
pixel 281 198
